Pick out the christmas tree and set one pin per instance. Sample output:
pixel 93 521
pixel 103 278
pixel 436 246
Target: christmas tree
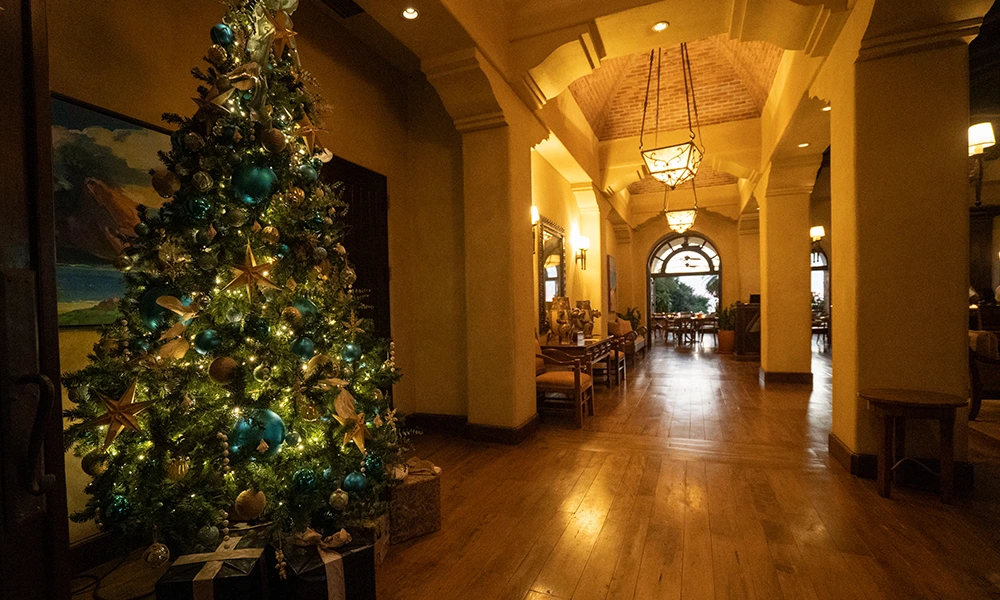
pixel 239 383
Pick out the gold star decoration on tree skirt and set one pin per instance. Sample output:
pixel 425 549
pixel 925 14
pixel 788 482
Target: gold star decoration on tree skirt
pixel 121 414
pixel 355 422
pixel 250 274
pixel 308 132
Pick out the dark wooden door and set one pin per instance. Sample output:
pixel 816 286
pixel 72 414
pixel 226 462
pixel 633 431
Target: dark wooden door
pixel 367 238
pixel 33 529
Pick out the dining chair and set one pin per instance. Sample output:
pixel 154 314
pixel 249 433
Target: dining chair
pixel 564 387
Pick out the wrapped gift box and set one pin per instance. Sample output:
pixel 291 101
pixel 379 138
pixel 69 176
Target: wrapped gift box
pixel 314 570
pixel 415 509
pixel 235 571
pixel 376 530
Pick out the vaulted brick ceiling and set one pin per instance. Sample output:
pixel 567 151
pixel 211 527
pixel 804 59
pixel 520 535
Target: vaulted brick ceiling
pixel 731 78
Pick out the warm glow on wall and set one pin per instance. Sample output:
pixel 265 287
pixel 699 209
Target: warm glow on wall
pixel 981 137
pixel 535 218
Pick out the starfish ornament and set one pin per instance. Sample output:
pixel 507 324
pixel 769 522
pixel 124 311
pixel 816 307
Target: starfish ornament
pixel 250 273
pixel 282 33
pixel 308 132
pixel 121 414
pixel 354 421
pixel 216 103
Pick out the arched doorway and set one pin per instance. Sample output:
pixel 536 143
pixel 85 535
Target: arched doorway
pixel 820 281
pixel 685 275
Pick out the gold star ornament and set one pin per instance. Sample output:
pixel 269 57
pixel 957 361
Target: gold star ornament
pixel 355 422
pixel 252 274
pixel 283 33
pixel 121 414
pixel 354 325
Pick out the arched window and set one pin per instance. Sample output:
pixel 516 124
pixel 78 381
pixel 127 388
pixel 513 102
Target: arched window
pixel 684 275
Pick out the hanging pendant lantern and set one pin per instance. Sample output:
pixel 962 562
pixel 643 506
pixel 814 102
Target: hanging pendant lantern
pixel 681 220
pixel 679 163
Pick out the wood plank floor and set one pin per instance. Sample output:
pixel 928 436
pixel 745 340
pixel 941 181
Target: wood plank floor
pixel 691 481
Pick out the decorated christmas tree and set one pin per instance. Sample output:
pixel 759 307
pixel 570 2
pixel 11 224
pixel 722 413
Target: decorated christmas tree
pixel 239 383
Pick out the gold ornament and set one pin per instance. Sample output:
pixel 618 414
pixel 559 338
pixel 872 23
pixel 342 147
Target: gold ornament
pixel 338 499
pixel 250 505
pixel 354 421
pixel 217 55
pixel 273 140
pixel 354 325
pixel 283 33
pixel 187 403
pixel 93 464
pixel 291 315
pixel 308 132
pixel 250 273
pixel 178 468
pixel 121 414
pixel 296 195
pixel 166 183
pixel 156 555
pixel 222 370
pixel 270 234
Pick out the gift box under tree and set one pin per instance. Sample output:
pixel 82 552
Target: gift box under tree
pixel 234 571
pixel 377 530
pixel 415 509
pixel 337 567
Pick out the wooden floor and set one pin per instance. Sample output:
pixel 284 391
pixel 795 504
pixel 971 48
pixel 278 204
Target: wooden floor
pixel 693 482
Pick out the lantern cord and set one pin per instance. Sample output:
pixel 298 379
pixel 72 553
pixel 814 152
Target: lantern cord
pixel 645 102
pixel 689 100
pixel 656 124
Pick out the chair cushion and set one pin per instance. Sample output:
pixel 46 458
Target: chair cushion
pixel 563 380
pixel 624 327
pixel 613 327
pixel 985 343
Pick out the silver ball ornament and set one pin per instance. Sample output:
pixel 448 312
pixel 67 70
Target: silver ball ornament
pixel 156 555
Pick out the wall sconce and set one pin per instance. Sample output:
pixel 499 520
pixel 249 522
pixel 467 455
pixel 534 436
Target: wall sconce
pixel 981 137
pixel 582 245
pixel 535 218
pixel 817 233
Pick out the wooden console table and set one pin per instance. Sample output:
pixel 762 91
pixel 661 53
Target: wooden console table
pixel 592 351
pixel 894 407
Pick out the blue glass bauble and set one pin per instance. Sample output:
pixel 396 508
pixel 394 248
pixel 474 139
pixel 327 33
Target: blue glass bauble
pixel 328 473
pixel 282 250
pixel 141 229
pixel 316 221
pixel 355 482
pixel 256 426
pixel 304 480
pixel 141 345
pixel 292 438
pixel 351 352
pixel 252 185
pixel 257 328
pixel 117 510
pixel 222 35
pixel 305 306
pixel 207 341
pixel 152 314
pixel 198 207
pixel 308 173
pixel 304 348
pixel 374 466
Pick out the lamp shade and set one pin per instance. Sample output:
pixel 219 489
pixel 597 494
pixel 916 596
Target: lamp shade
pixel 582 242
pixel 535 218
pixel 680 220
pixel 981 137
pixel 817 233
pixel 673 165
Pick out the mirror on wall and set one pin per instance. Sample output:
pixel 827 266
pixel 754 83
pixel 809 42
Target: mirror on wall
pixel 551 268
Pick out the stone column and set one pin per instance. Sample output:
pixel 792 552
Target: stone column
pixel 786 314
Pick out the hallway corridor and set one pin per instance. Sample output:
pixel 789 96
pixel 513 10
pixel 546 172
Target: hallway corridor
pixel 691 481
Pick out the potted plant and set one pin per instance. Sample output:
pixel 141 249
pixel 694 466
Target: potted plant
pixel 727 329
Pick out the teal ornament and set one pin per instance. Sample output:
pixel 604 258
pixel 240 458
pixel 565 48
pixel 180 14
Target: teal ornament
pixel 351 352
pixel 207 341
pixel 141 346
pixel 282 250
pixel 328 473
pixel 304 480
pixel 152 314
pixel 374 466
pixel 116 510
pixel 257 328
pixel 198 207
pixel 308 173
pixel 355 482
pixel 293 438
pixel 256 427
pixel 222 35
pixel 252 184
pixel 141 229
pixel 304 348
pixel 209 536
pixel 317 221
pixel 305 306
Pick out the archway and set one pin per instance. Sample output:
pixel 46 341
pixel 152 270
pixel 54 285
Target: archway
pixel 685 275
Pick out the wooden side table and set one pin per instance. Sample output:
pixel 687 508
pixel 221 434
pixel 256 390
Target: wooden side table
pixel 894 407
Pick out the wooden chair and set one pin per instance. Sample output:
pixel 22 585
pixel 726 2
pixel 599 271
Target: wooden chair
pixel 633 342
pixel 984 370
pixel 709 326
pixel 565 387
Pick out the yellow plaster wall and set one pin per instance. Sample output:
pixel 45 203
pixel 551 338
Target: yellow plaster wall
pixel 749 253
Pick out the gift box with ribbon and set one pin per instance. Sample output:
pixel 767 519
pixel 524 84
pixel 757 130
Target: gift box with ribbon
pixel 415 509
pixel 235 571
pixel 312 567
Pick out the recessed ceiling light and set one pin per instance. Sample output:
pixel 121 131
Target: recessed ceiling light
pixel 804 145
pixel 410 13
pixel 827 108
pixel 661 26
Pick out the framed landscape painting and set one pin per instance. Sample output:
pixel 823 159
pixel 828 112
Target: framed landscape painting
pixel 100 164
